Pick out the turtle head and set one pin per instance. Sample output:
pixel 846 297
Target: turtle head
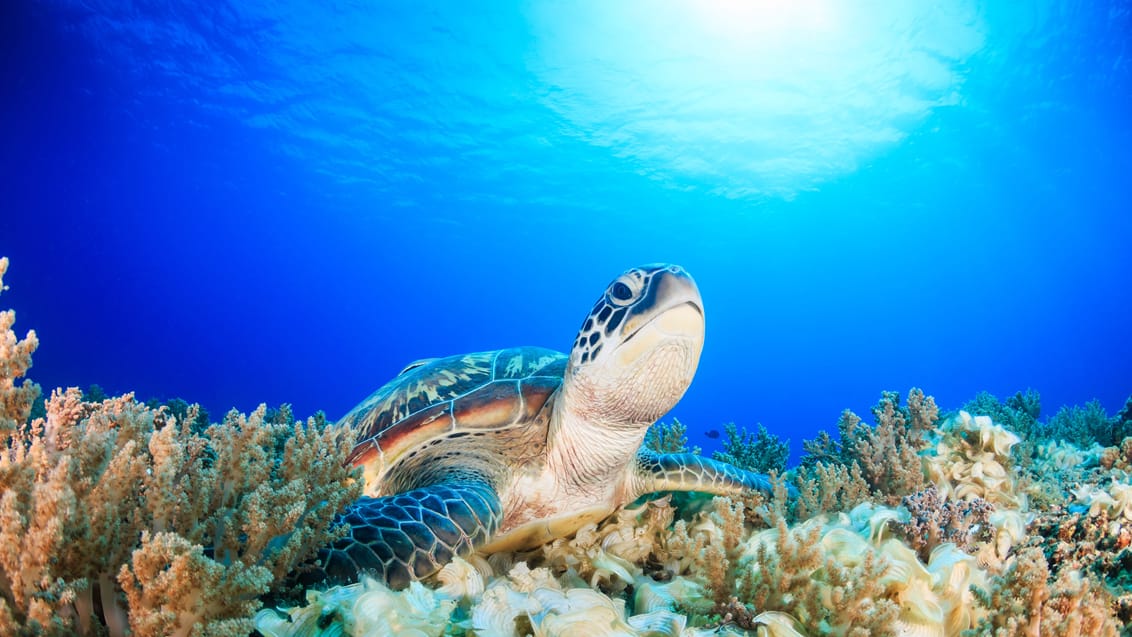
pixel 638 349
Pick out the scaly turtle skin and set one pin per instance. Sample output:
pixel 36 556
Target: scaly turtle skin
pixel 509 449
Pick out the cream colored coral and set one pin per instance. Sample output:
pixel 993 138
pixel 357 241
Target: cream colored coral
pixel 415 612
pixel 972 459
pixel 1115 501
pixel 365 608
pixel 1065 455
pixel 461 580
pixel 610 554
pixel 933 598
pixel 651 595
pixel 550 610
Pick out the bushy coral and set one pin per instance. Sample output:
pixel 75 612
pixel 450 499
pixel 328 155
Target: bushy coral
pixel 1086 425
pixel 934 520
pixel 761 451
pixel 1024 602
pixel 882 461
pixel 828 486
pixel 913 569
pixel 1082 426
pixel 120 519
pixel 669 438
pixel 1018 413
pixel 16 395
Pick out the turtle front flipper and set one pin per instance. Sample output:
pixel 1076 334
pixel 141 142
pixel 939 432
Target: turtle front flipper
pixel 692 472
pixel 408 536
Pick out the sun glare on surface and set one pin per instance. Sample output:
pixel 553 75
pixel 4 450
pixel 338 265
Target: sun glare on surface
pixel 742 18
pixel 750 98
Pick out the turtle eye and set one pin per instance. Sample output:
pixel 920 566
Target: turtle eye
pixel 622 293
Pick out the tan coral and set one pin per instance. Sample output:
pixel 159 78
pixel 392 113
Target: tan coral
pixel 108 507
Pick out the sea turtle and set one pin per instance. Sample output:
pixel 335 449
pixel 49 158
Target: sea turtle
pixel 508 449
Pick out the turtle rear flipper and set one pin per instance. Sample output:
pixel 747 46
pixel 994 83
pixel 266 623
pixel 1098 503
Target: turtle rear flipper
pixel 411 535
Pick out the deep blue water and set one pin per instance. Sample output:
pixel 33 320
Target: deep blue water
pixel 245 202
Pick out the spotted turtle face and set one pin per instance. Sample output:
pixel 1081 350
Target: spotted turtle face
pixel 642 340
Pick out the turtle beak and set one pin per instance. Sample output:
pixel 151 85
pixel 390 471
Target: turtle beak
pixel 672 305
pixel 672 311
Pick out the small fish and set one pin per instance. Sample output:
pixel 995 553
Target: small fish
pixel 713 434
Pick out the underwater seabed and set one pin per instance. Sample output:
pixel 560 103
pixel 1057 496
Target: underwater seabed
pixel 127 518
pixel 916 526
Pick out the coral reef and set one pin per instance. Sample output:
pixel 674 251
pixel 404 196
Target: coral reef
pixel 1086 425
pixel 934 520
pixel 120 519
pixel 880 462
pixel 1117 456
pixel 761 451
pixel 145 519
pixel 972 460
pixel 1019 413
pixel 669 438
pixel 1080 426
pixel 1024 602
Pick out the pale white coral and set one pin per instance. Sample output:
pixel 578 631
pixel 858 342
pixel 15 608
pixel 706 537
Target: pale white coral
pixel 1007 528
pixel 651 595
pixel 460 579
pixel 1115 502
pixel 499 609
pixel 1064 455
pixel 1122 494
pixel 415 612
pixel 972 459
pixel 578 611
pixel 933 598
pixel 551 611
pixel 609 554
pixel 776 624
pixel 365 608
pixel 954 572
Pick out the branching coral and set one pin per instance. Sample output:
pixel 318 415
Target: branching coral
pixel 828 487
pixel 1023 603
pixel 16 396
pixel 171 532
pixel 119 518
pixel 935 521
pixel 669 438
pixel 1084 426
pixel 761 451
pixel 885 457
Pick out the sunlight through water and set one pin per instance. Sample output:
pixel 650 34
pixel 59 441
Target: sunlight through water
pixel 751 99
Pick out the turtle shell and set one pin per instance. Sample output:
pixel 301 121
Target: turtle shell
pixel 440 397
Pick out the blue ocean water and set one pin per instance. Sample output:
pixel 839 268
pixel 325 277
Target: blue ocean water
pixel 244 202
